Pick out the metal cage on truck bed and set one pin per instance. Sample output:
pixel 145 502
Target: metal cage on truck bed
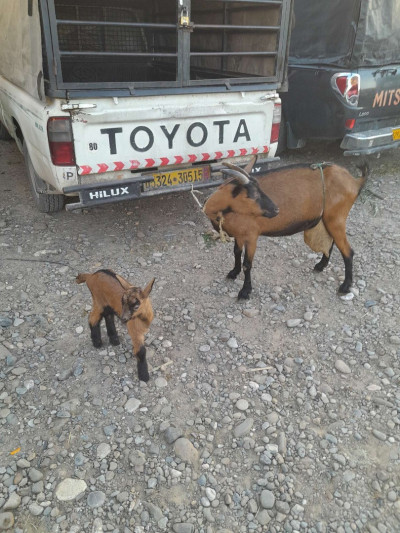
pixel 163 45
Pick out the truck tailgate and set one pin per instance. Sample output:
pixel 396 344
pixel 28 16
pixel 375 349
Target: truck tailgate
pixel 157 131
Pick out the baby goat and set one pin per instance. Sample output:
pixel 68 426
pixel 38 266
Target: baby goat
pixel 113 295
pixel 315 199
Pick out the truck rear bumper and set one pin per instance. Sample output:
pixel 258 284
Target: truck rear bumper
pixel 95 194
pixel 370 142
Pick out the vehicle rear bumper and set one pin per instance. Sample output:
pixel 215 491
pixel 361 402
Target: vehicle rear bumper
pixel 370 142
pixel 108 192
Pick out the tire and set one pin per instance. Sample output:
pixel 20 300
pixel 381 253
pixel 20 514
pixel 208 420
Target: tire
pixel 4 135
pixel 46 203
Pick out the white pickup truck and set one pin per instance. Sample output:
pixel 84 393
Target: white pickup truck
pixel 111 101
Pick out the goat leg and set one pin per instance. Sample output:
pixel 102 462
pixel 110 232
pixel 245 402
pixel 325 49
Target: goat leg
pixel 348 273
pixel 94 323
pixel 237 250
pixel 111 331
pixel 319 267
pixel 249 251
pixel 143 371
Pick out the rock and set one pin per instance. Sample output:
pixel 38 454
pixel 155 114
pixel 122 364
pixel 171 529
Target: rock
pixel 242 405
pixel 132 405
pixel 160 382
pixel 13 502
pixel 183 527
pixel 232 343
pixel 137 459
pixel 35 475
pixel 379 435
pixel 185 450
pixel 96 499
pixel 103 450
pixel 69 489
pixel 6 521
pixel 293 322
pixel 342 367
pixel 347 297
pixel 243 428
pixel 267 499
pixel 35 509
pixel 211 494
pixel 263 517
pixel 172 434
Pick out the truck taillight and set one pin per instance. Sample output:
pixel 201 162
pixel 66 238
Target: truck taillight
pixel 61 144
pixel 348 85
pixel 276 122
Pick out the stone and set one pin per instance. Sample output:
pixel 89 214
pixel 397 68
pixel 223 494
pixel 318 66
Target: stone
pixel 35 509
pixel 293 322
pixel 35 475
pixel 183 527
pixel 243 428
pixel 342 367
pixel 132 405
pixel 69 489
pixel 242 405
pixel 172 434
pixel 96 499
pixel 185 450
pixel 160 382
pixel 263 517
pixel 267 499
pixel 13 502
pixel 103 450
pixel 6 521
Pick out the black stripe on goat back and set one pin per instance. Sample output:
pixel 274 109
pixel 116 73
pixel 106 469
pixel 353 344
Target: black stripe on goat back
pixel 286 167
pixel 110 273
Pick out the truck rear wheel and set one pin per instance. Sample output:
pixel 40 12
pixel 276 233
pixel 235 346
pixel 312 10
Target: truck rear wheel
pixel 4 135
pixel 46 203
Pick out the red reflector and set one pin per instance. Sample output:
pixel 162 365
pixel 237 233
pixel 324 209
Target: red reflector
pixel 349 124
pixel 62 153
pixel 275 132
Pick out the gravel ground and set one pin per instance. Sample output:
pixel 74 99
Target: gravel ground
pixel 278 414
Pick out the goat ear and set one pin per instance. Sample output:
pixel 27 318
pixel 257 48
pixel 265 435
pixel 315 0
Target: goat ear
pixel 250 164
pixel 149 286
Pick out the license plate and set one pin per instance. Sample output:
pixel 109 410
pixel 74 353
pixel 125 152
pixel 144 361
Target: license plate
pixel 396 134
pixel 178 177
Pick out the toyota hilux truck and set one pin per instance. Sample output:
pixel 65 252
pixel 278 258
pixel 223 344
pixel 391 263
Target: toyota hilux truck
pixel 111 101
pixel 344 75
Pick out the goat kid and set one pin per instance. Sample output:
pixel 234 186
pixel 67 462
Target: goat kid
pixel 316 200
pixel 114 295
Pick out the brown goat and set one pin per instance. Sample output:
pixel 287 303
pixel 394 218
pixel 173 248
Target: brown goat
pixel 114 295
pixel 285 201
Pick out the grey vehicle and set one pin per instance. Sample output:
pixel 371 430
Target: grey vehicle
pixel 114 100
pixel 344 75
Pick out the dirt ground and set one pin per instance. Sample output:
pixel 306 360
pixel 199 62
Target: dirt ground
pixel 321 399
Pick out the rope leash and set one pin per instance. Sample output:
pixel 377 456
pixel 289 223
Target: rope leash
pixel 321 167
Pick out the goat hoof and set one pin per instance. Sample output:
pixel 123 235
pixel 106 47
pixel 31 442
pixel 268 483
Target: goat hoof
pixel 115 341
pixel 232 274
pixel 344 288
pixel 319 268
pixel 97 344
pixel 144 376
pixel 244 294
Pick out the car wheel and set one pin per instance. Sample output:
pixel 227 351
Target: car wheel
pixel 4 135
pixel 46 203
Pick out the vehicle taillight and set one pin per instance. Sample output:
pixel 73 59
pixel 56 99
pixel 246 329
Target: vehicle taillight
pixel 349 123
pixel 61 144
pixel 348 85
pixel 276 122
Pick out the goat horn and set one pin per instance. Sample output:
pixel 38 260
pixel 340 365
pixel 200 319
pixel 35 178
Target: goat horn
pixel 238 169
pixel 251 164
pixel 236 174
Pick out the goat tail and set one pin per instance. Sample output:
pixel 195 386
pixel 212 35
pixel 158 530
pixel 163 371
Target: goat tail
pixel 365 173
pixel 81 278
